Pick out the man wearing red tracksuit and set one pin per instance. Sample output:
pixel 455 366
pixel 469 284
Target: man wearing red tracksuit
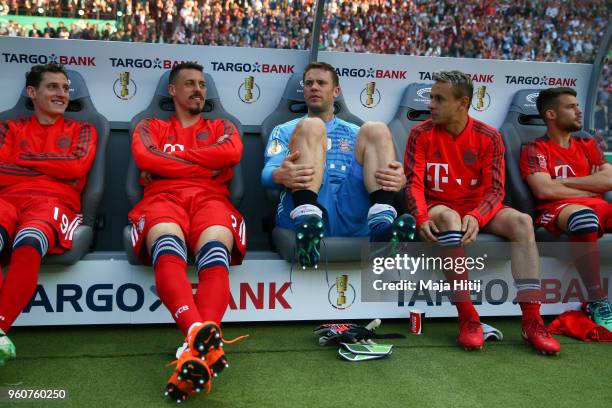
pixel 186 164
pixel 44 161
pixel 568 175
pixel 455 170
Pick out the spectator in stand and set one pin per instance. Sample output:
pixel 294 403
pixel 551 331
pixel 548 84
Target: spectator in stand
pixel 34 32
pixel 49 30
pixel 545 30
pixel 4 8
pixel 75 31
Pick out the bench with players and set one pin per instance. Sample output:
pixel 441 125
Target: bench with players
pixel 337 179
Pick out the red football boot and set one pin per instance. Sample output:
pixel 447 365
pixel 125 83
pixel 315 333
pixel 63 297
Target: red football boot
pixel 206 341
pixel 191 375
pixel 535 333
pixel 471 336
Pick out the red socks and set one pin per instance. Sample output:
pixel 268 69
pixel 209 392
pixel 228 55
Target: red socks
pixel 19 284
pixel 213 293
pixel 174 290
pixel 462 298
pixel 531 312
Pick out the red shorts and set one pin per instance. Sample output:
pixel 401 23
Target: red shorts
pixel 193 210
pixel 462 210
pixel 548 219
pixel 18 212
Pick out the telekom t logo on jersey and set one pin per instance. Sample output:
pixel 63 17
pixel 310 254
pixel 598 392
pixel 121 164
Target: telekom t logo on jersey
pixel 561 171
pixel 439 177
pixel 171 148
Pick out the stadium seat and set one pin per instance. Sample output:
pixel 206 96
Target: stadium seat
pixel 523 124
pixel 162 107
pixel 80 108
pixel 412 110
pixel 291 106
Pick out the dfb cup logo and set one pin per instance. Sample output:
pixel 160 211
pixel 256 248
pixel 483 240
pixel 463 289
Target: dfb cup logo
pixel 275 148
pixel 481 100
pixel 341 286
pixel 370 96
pixel 342 294
pixel 124 87
pixel 249 91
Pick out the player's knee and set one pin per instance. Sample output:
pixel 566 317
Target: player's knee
pixel 583 221
pixel 375 132
pixel 449 220
pixel 32 237
pixel 522 228
pixel 216 233
pixel 213 253
pixel 310 129
pixel 164 228
pixel 168 244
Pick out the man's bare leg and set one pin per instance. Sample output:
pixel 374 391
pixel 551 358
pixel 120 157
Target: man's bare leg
pixel 448 224
pixel 308 148
pixel 383 177
pixel 518 228
pixel 374 151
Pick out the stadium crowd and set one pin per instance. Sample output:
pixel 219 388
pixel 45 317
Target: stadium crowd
pixel 546 30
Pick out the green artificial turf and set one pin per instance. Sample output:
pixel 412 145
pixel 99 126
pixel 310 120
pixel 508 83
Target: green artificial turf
pixel 282 365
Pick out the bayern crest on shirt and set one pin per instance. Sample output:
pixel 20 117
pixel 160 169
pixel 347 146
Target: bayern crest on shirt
pixel 344 145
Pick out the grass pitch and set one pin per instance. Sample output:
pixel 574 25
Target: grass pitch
pixel 281 365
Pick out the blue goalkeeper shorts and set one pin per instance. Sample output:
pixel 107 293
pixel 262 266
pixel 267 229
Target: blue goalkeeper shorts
pixel 345 205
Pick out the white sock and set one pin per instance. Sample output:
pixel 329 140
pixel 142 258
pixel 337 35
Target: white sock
pixel 192 326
